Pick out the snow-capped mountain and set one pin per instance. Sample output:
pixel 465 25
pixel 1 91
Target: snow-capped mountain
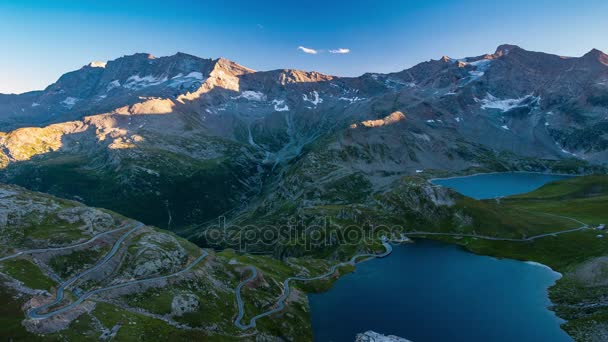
pixel 181 133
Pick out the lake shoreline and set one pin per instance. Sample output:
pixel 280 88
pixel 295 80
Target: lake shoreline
pixel 378 269
pixel 470 245
pixel 431 180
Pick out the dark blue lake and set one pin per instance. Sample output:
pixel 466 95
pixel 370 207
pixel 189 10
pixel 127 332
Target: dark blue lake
pixel 432 291
pixel 491 185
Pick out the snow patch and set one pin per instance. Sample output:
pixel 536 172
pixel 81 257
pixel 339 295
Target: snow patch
pixel 602 83
pixel 458 119
pixel 280 106
pixel 315 99
pixel 351 99
pixel 112 85
pixel 564 150
pixel 568 152
pixel 137 82
pixel 481 66
pixel 194 78
pixel 69 102
pixel 35 104
pixel 475 74
pixel 251 96
pixel 195 74
pixel 492 102
pixel 395 84
pixel 505 127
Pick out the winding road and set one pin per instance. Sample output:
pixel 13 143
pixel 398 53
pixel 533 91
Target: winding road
pixel 50 249
pixel 280 305
pixel 33 313
pixel 484 237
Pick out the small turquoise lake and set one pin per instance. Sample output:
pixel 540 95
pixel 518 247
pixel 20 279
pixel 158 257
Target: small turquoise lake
pixel 492 185
pixel 433 291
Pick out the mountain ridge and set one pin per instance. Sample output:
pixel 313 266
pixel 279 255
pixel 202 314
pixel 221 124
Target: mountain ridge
pixel 501 50
pixel 143 124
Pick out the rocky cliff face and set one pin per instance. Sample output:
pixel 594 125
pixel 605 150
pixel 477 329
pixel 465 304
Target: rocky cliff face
pixel 188 139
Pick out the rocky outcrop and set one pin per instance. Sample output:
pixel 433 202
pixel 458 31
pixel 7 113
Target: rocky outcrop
pixel 184 303
pixel 372 336
pixel 156 253
pixel 388 120
pixel 94 220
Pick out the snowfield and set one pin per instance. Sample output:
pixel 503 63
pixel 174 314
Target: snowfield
pixel 112 85
pixel 194 78
pixel 492 102
pixel 251 96
pixel 136 82
pixel 481 66
pixel 69 102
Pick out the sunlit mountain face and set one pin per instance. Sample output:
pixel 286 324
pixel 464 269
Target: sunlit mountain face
pixel 184 132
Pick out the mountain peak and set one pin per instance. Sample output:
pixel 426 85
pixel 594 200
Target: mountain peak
pixel 596 55
pixel 233 67
pixel 97 64
pixel 594 51
pixel 504 49
pixel 138 55
pixel 183 54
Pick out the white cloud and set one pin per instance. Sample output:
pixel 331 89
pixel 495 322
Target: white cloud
pixel 340 51
pixel 308 50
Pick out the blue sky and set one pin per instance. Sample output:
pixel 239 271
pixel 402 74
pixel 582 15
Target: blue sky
pixel 43 39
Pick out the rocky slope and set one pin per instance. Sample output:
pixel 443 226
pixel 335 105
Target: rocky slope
pixel 372 336
pixel 46 241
